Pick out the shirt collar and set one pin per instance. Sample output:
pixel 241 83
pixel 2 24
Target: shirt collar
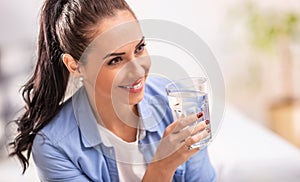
pixel 85 119
pixel 152 111
pixel 145 108
pixel 88 124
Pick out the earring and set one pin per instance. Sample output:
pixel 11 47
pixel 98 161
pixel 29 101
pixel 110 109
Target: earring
pixel 81 78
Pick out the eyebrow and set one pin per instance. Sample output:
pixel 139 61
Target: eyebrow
pixel 122 53
pixel 141 41
pixel 114 54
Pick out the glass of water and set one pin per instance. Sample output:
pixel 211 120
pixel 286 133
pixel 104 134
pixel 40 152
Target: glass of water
pixel 187 96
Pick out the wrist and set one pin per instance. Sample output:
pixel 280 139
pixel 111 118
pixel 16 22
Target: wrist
pixel 158 172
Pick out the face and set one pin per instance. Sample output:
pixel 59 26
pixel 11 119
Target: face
pixel 117 62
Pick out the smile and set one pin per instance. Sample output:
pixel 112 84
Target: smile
pixel 135 87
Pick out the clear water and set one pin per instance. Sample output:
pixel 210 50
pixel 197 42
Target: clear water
pixel 186 102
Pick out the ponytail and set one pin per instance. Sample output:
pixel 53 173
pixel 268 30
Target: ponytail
pixel 45 90
pixel 66 26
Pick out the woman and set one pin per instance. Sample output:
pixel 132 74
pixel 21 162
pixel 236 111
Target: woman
pixel 117 126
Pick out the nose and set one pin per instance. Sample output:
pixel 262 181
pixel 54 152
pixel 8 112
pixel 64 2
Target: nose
pixel 138 67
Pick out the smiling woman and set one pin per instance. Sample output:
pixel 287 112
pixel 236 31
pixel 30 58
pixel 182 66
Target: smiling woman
pixel 111 129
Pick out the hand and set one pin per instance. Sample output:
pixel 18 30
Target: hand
pixel 175 146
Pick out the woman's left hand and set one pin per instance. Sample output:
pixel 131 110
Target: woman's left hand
pixel 175 146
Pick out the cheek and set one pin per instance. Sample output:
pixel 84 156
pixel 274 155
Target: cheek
pixel 148 64
pixel 147 61
pixel 105 80
pixel 90 73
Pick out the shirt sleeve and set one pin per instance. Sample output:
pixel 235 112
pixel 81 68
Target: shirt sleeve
pixel 52 164
pixel 199 168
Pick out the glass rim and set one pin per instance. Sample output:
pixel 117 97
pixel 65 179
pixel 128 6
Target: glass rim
pixel 202 80
pixel 175 83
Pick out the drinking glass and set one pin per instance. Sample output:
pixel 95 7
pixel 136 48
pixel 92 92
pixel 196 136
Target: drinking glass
pixel 187 96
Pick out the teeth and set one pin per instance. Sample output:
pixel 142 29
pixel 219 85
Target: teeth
pixel 133 87
pixel 137 86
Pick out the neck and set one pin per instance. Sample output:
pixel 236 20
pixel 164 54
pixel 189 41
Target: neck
pixel 121 119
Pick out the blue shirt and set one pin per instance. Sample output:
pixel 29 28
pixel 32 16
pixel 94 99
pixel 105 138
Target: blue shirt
pixel 70 148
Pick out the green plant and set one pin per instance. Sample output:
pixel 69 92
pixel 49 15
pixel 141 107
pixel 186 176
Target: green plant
pixel 268 27
pixel 273 31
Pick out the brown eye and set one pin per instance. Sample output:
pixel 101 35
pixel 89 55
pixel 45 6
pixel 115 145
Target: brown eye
pixel 140 48
pixel 114 61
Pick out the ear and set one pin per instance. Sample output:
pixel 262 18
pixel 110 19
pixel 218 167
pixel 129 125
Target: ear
pixel 71 64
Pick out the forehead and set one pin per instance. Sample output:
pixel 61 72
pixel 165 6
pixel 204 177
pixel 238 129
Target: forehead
pixel 113 33
pixel 120 17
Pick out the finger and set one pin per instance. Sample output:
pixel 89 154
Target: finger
pixel 184 122
pixel 200 126
pixel 188 150
pixel 191 130
pixel 170 128
pixel 197 137
pixel 183 134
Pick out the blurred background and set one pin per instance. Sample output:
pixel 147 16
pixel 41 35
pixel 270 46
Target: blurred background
pixel 257 44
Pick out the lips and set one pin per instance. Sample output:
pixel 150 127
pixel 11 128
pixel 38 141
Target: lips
pixel 136 87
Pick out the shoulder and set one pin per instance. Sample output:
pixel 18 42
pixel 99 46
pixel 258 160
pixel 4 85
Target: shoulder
pixel 156 85
pixel 155 91
pixel 63 124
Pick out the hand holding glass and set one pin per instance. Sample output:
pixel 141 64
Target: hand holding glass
pixel 187 96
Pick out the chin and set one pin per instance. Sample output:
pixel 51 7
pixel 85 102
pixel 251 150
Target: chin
pixel 136 98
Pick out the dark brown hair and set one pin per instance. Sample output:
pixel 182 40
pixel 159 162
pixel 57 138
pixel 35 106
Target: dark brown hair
pixel 66 26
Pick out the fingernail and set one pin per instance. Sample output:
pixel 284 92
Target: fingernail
pixel 200 114
pixel 208 130
pixel 207 122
